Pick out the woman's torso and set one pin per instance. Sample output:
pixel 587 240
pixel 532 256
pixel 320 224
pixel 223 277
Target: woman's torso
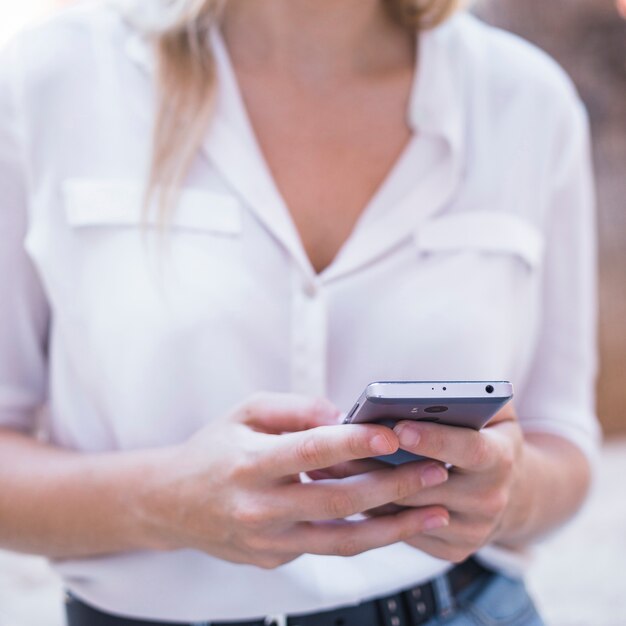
pixel 438 279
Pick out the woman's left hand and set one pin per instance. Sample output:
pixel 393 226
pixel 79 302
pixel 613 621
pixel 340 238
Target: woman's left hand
pixel 483 492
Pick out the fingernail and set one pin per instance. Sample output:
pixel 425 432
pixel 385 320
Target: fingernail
pixel 432 523
pixel 380 445
pixel 408 435
pixel 434 475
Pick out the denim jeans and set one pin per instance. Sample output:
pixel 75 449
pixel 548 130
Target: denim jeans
pixel 493 601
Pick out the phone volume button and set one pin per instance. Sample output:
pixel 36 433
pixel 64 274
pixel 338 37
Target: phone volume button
pixel 353 411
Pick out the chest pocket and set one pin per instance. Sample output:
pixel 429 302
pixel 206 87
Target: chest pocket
pixel 90 203
pixel 479 274
pixel 486 232
pixel 121 268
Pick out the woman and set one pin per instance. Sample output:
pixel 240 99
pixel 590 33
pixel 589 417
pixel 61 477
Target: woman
pixel 338 192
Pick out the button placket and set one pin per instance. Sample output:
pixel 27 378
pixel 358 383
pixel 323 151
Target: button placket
pixel 308 335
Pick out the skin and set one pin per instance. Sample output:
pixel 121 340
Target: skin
pixel 326 87
pixel 503 487
pixel 233 490
pixel 308 78
pixel 324 107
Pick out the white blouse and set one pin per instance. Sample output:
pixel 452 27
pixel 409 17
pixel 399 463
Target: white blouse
pixel 474 260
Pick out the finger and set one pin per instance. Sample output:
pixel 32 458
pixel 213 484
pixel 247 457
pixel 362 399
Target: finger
pixel 284 412
pixel 424 498
pixel 348 538
pixel 459 492
pixel 325 446
pixel 354 468
pixel 452 542
pixel 460 447
pixel 439 548
pixel 386 509
pixel 455 542
pixel 337 499
pixel 343 470
pixel 506 414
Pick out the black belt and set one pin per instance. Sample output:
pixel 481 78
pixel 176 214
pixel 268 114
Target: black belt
pixel 409 607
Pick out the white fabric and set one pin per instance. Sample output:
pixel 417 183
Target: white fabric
pixel 475 260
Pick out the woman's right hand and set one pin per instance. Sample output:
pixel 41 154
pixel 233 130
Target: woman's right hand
pixel 234 490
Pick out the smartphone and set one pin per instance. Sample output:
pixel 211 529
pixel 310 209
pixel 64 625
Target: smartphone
pixel 467 404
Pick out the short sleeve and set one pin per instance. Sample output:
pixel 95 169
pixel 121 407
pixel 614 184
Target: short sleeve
pixel 559 394
pixel 23 308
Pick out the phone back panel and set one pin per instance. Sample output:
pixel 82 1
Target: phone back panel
pixel 465 412
pixel 462 412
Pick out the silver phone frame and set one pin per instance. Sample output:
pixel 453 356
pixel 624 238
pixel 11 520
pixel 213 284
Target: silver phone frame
pixel 384 393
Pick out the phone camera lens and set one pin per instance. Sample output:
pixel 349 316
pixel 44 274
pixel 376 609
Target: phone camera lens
pixel 489 388
pixel 436 409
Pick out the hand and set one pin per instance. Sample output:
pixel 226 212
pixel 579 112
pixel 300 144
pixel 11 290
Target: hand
pixel 480 496
pixel 234 490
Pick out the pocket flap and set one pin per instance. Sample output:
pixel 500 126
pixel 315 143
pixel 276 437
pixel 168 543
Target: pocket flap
pixel 491 231
pixel 119 203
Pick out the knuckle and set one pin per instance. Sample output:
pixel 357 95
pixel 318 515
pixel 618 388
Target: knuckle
pixel 259 543
pixel 501 500
pixel 407 530
pixel 436 443
pixel 495 502
pixel 254 403
pixel 409 501
pixel 407 485
pixel 269 561
pixel 253 543
pixel 241 467
pixel 348 546
pixel 249 516
pixel 313 404
pixel 339 505
pixel 245 413
pixel 481 451
pixel 507 459
pixel 476 536
pixel 357 446
pixel 458 554
pixel 310 451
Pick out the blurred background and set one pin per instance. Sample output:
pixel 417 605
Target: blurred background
pixel 577 576
pixel 589 40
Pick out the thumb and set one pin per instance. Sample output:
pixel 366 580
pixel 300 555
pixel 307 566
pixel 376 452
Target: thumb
pixel 506 414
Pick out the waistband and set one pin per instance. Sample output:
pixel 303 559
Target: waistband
pixel 408 607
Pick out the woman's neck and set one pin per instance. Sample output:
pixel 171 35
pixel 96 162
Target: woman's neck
pixel 316 40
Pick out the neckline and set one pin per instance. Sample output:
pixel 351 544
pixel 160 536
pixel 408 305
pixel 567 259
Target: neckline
pixel 234 111
pixel 436 108
pixel 223 59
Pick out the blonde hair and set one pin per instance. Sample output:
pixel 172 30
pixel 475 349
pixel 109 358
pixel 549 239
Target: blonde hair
pixel 186 74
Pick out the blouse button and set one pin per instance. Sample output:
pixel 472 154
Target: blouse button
pixel 311 289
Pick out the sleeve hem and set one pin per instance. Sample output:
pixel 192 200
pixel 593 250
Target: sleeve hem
pixel 24 423
pixel 587 442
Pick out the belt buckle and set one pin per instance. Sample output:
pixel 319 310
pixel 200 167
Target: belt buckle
pixel 275 620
